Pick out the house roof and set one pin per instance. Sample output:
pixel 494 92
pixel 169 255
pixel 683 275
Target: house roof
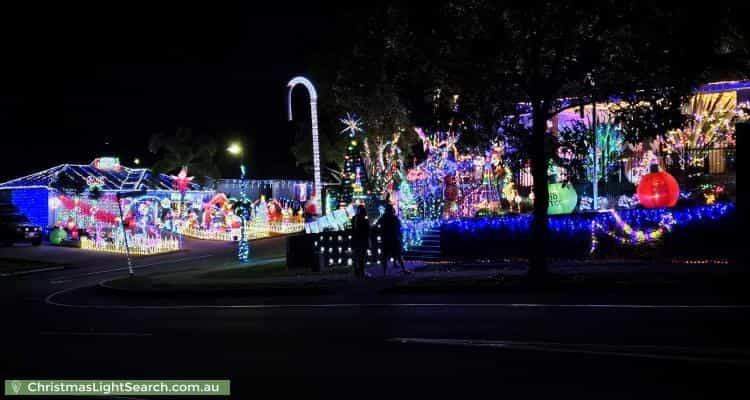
pixel 111 179
pixel 725 86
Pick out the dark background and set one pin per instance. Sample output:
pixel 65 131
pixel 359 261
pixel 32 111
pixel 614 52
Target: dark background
pixel 77 83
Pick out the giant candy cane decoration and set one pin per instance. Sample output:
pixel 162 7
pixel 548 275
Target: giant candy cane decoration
pixel 314 117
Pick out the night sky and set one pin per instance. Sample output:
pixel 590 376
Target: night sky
pixel 79 83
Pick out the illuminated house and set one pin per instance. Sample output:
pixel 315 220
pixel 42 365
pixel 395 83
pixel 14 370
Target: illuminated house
pixel 692 147
pixel 47 202
pixel 730 93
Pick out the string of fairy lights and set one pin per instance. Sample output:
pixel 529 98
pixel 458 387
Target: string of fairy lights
pixel 629 227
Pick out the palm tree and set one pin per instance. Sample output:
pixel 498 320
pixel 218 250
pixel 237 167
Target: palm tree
pixel 183 150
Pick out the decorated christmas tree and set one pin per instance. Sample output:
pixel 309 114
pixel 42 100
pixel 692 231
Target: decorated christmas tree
pixel 354 177
pixel 487 198
pixel 407 202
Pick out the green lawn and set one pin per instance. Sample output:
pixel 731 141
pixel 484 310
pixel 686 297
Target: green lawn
pixel 275 269
pixel 11 265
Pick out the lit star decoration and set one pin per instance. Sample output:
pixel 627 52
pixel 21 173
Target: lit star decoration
pixel 182 181
pixel 352 124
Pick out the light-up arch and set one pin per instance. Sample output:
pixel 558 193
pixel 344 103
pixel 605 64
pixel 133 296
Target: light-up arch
pixel 314 117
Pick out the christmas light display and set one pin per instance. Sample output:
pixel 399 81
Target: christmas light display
pixel 658 189
pixel 197 233
pixel 742 112
pixel 562 199
pixel 624 233
pixel 286 227
pixel 57 236
pixel 241 207
pixel 711 124
pixel 317 189
pixel 383 160
pixel 138 245
pixel 634 226
pixel 85 211
pixel 485 199
pixel 412 231
pixel 609 145
pixel 182 180
pixel 354 179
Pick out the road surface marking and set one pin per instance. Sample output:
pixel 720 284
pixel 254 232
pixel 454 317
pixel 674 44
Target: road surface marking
pixel 585 348
pixel 71 278
pixel 30 271
pixel 49 300
pixel 94 334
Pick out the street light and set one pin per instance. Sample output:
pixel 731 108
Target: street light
pixel 235 149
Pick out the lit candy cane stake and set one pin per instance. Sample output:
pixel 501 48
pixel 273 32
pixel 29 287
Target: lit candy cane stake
pixel 314 117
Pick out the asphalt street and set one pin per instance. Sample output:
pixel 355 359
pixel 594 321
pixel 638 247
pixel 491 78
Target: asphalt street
pixel 647 342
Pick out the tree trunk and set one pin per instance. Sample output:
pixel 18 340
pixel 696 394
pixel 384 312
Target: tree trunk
pixel 538 255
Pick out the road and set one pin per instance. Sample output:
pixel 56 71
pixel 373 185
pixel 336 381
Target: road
pixel 647 342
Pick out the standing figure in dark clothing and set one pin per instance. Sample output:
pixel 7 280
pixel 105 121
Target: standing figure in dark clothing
pixel 390 231
pixel 360 240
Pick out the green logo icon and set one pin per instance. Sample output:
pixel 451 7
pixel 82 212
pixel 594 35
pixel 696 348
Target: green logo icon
pixel 16 386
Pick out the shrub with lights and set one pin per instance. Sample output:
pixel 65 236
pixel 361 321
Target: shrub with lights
pixel 575 235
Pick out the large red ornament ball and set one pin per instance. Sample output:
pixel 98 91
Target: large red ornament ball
pixel 658 189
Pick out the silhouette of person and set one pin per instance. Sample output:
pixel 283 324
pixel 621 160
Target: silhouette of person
pixel 360 240
pixel 390 228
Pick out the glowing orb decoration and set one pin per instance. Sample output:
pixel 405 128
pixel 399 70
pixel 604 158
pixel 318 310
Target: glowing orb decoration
pixel 57 236
pixel 562 199
pixel 658 189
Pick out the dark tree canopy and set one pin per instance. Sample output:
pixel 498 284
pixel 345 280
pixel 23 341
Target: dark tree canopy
pixel 185 150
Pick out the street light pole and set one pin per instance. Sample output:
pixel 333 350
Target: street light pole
pixel 125 237
pixel 119 196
